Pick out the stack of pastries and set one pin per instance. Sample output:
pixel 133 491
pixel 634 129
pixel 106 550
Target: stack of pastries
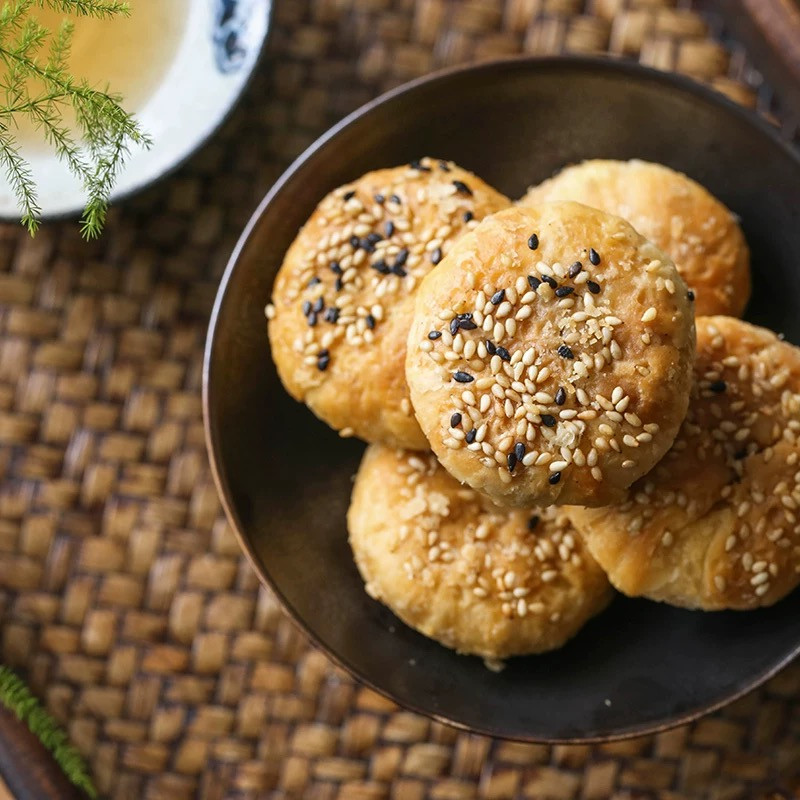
pixel 557 393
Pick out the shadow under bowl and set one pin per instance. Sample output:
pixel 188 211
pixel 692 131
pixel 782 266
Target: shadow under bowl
pixel 285 478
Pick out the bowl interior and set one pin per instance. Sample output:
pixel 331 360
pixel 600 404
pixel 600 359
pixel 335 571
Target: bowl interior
pixel 286 478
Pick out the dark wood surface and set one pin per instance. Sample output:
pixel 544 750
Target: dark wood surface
pixel 28 769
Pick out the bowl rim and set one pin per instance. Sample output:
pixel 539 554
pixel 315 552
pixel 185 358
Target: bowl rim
pixel 629 68
pixel 227 110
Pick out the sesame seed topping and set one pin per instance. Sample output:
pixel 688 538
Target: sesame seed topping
pixel 469 438
pixel 534 282
pixel 455 420
pixel 533 241
pixel 564 291
pixel 462 187
pixel 561 396
pixel 498 297
pixel 433 335
pixel 462 377
pixel 574 269
pixel 554 478
pixel 565 352
pixel 593 287
pixel 690 296
pixel 718 386
pixel 594 257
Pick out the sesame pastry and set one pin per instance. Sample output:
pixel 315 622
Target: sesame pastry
pixel 477 578
pixel 717 523
pixel 675 213
pixel 343 298
pixel 549 359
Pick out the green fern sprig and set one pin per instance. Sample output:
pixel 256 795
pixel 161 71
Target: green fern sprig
pixel 36 85
pixel 17 698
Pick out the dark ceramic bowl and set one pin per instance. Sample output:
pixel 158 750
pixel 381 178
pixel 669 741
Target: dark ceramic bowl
pixel 285 478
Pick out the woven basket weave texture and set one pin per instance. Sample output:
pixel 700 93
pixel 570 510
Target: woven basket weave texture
pixel 124 599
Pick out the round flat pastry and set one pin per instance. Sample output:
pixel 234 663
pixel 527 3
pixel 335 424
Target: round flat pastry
pixel 343 298
pixel 479 579
pixel 675 213
pixel 550 355
pixel 717 523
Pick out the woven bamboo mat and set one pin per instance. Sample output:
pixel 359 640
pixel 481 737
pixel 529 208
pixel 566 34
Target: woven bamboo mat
pixel 123 596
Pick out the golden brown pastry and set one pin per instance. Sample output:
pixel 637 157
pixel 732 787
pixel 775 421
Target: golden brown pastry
pixel 479 579
pixel 343 299
pixel 550 356
pixel 672 211
pixel 717 523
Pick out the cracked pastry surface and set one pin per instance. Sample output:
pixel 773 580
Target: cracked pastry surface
pixel 549 359
pixel 717 523
pixel 674 212
pixel 343 298
pixel 482 580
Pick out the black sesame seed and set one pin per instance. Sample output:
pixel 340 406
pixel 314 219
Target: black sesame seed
pixel 379 199
pixel 381 266
pixel 338 285
pixel 335 268
pixel 718 387
pixel 533 241
pixel 355 242
pixel 319 304
pixel 565 352
pixel 462 377
pixel 593 287
pixel 511 460
pixel 436 255
pixel 549 281
pixel 306 307
pixel 690 295
pixel 549 420
pixel 331 314
pixel 519 451
pixel 389 229
pixel 462 187
pixel 323 359
pixel 435 335
pixel 465 315
pixel 370 322
pixel 468 216
pixel 467 325
pixel 455 324
pixel 417 164
pixel 574 269
pixel 534 283
pixel 533 522
pixel 504 354
pixel 444 166
pixel 396 200
pixel 561 396
pixel 367 244
pixel 314 281
pixel 399 271
pixel 401 257
pixel 470 437
pixel 498 297
pixel 349 195
pixel 491 347
pixel 311 319
pixel 740 454
pixel 374 237
pixel 455 420
pixel 554 478
pixel 564 291
pixel 594 256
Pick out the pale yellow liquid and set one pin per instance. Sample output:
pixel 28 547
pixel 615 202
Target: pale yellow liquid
pixel 126 55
